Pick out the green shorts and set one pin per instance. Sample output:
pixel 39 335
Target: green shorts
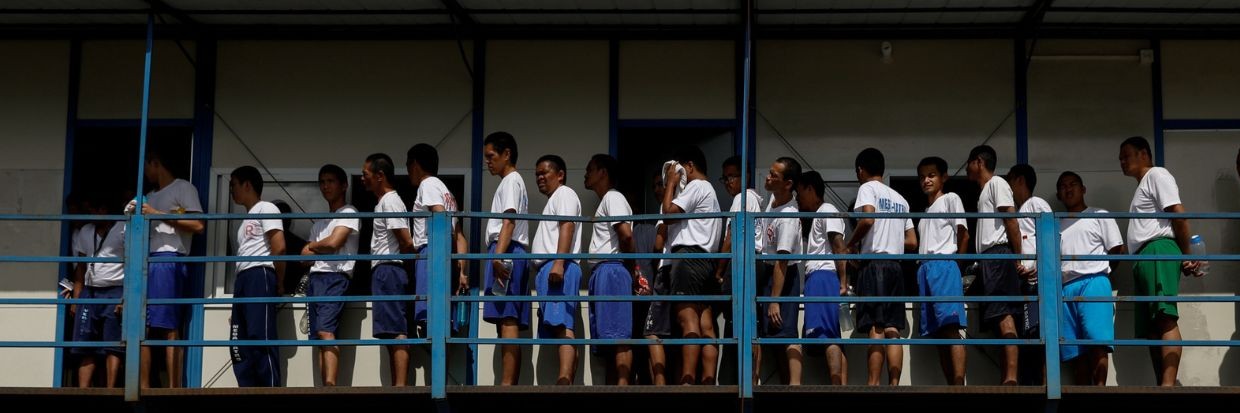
pixel 1156 278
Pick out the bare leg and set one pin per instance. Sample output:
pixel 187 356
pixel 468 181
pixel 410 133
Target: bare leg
pixel 624 365
pixel 175 361
pixel 895 357
pixel 952 358
pixel 710 352
pixel 568 359
pixel 793 353
pixel 511 353
pixel 1099 360
pixel 837 365
pixel 757 364
pixel 398 361
pixel 658 363
pixel 86 371
pixel 1007 328
pixel 1166 358
pixel 690 315
pixel 875 358
pixel 114 370
pixel 329 360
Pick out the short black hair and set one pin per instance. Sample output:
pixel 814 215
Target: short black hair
pixel 694 155
pixel 1025 172
pixel 607 163
pixel 555 161
pixel 792 170
pixel 813 181
pixel 938 163
pixel 871 161
pixel 1066 174
pixel 1138 143
pixel 501 141
pixel 335 171
pixel 732 161
pixel 425 156
pixel 249 174
pixel 986 154
pixel 381 163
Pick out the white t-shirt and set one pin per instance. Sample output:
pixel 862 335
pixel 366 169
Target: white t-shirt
pixel 510 195
pixel 563 202
pixel 1156 192
pixel 431 192
pixel 112 245
pixel 603 237
pixel 382 240
pixel 179 197
pixel 1029 229
pixel 820 240
pixel 697 198
pixel 323 229
pixel 939 235
pixel 887 234
pixel 783 234
pixel 752 204
pixel 990 231
pixel 252 236
pixel 1089 236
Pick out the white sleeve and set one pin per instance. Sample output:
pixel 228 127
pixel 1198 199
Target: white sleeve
pixel 690 198
pixel 79 242
pixel 955 205
pixel 509 197
pixel 395 205
pixel 1002 194
pixel 789 230
pixel 908 224
pixel 835 225
pixel 865 196
pixel 1111 237
pixel 433 195
pixel 187 197
pixel 618 206
pixel 568 206
pixel 271 224
pixel 1166 191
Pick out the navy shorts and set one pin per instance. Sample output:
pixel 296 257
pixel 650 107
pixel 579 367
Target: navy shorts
pixel 659 313
pixel 557 314
pixel 822 320
pixel 612 319
pixel 789 312
pixel 999 278
pixel 496 311
pixel 166 280
pixel 883 278
pixel 324 316
pixel 98 322
pixel 389 316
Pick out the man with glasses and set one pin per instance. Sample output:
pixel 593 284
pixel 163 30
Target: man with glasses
pixel 731 180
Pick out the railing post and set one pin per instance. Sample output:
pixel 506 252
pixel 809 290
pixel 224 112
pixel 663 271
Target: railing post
pixel 1050 279
pixel 133 317
pixel 440 247
pixel 742 302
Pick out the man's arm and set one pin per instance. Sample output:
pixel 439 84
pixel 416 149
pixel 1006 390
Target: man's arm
pixel 777 286
pixel 404 239
pixel 501 244
pixel 1183 236
pixel 79 279
pixel 841 266
pixel 962 239
pixel 192 226
pixel 864 225
pixel 910 240
pixel 669 193
pixel 1012 229
pixel 1120 249
pixel 462 247
pixel 660 240
pixel 724 248
pixel 275 238
pixel 332 243
pixel 563 246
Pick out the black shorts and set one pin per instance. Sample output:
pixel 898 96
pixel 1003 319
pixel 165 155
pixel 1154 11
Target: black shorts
pixel 999 278
pixel 658 320
pixel 693 276
pixel 883 278
pixel 789 312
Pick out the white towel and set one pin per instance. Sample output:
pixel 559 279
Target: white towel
pixel 684 178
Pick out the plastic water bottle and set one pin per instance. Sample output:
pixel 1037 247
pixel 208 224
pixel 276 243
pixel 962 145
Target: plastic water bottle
pixel 846 314
pixel 499 286
pixel 1198 247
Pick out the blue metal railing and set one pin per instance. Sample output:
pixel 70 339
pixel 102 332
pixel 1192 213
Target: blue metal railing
pixel 743 295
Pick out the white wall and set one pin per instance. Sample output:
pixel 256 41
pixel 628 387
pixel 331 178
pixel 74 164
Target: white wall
pixel 677 80
pixel 111 85
pixel 32 126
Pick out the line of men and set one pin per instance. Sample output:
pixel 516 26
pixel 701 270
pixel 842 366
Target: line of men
pixel 682 187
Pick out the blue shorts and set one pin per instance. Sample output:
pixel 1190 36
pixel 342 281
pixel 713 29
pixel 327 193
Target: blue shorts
pixel 822 320
pixel 1087 321
pixel 496 311
pixel 325 316
pixel 98 322
pixel 940 278
pixel 421 285
pixel 553 315
pixel 613 319
pixel 389 316
pixel 789 312
pixel 166 280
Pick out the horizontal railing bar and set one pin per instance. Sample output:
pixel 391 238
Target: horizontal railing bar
pixel 587 298
pixel 1147 299
pixel 601 342
pixel 300 215
pixel 609 257
pixel 55 301
pixel 900 341
pixel 907 299
pixel 290 258
pixel 893 257
pixel 1185 257
pixel 59 259
pixel 286 343
pixel 275 300
pixel 60 344
pixel 1156 343
pixel 65 217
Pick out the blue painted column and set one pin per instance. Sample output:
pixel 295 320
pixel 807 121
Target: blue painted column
pixel 200 167
pixel 475 196
pixel 136 243
pixel 742 257
pixel 1021 81
pixel 437 314
pixel 75 71
pixel 1050 301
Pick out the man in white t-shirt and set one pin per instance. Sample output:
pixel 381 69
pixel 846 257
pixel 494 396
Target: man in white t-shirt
pixel 612 277
pixel 506 236
pixel 1086 320
pixel 169 238
pixel 825 277
pixel 881 278
pixel 388 276
pixel 99 280
pixel 335 236
pixel 731 180
pixel 999 277
pixel 1023 179
pixel 658 320
pixel 558 277
pixel 941 278
pixel 781 278
pixel 256 366
pixel 692 276
pixel 422 163
pixel 1156 191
